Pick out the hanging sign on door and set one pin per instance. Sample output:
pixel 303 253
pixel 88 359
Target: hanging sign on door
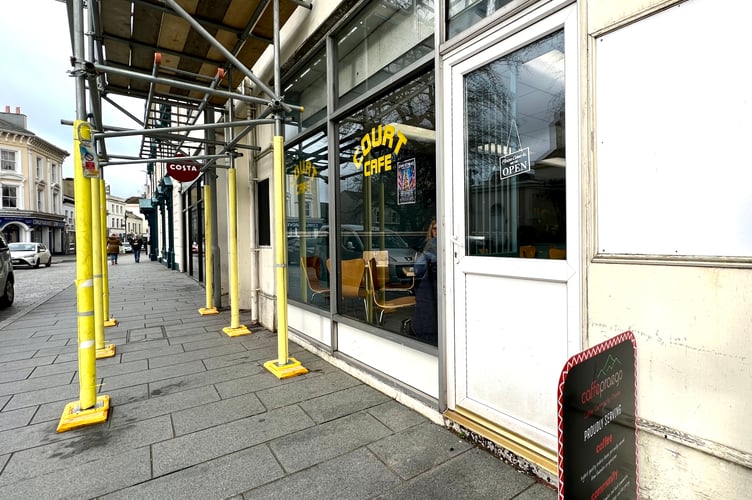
pixel 598 422
pixel 515 163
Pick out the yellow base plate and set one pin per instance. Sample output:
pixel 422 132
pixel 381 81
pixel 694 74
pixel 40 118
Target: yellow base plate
pixel 293 368
pixel 107 351
pixel 236 331
pixel 73 417
pixel 111 322
pixel 204 311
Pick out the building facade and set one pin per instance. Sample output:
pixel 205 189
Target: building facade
pixel 31 207
pixel 552 145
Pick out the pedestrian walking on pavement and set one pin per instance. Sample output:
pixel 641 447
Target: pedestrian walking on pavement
pixel 137 244
pixel 113 248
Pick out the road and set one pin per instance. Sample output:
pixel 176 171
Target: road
pixel 34 286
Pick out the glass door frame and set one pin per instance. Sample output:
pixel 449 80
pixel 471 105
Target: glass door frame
pixel 481 51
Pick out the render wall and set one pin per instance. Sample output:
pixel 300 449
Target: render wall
pixel 690 315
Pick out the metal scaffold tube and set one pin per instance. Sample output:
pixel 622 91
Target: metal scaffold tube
pixel 284 366
pixel 102 350
pixel 209 255
pixel 235 329
pixel 109 320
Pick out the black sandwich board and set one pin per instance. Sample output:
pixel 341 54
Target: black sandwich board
pixel 598 422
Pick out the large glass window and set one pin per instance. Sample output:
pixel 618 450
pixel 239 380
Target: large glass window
pixel 308 89
pixel 462 14
pixel 385 39
pixel 307 205
pixel 387 209
pixel 515 154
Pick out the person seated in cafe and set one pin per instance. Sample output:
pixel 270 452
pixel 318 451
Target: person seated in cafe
pixel 424 322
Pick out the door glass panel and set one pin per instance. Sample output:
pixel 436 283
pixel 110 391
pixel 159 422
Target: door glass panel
pixel 515 154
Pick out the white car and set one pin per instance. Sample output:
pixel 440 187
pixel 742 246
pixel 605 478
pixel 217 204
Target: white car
pixel 30 254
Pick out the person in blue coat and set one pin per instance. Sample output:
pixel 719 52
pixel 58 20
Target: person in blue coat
pixel 424 322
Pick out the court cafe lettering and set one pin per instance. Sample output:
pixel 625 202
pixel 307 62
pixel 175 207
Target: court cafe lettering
pixel 383 135
pixel 304 172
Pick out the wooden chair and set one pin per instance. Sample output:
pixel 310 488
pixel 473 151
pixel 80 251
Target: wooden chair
pixel 352 278
pixel 557 253
pixel 379 296
pixel 528 251
pixel 311 268
pixel 382 272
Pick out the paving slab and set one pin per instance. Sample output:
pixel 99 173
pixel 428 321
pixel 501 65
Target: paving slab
pixel 218 478
pixel 353 476
pixel 191 449
pixel 101 442
pixel 15 418
pixel 328 440
pixel 418 449
pixel 137 410
pixel 112 473
pixel 213 413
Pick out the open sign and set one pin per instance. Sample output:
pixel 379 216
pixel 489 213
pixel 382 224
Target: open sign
pixel 184 171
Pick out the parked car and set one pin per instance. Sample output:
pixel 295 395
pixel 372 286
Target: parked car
pixel 126 247
pixel 30 254
pixel 293 249
pixel 355 240
pixel 7 280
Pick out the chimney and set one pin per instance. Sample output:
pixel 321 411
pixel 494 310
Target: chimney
pixel 18 119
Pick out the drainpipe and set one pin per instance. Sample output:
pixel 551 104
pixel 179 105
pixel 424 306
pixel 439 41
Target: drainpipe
pixel 244 111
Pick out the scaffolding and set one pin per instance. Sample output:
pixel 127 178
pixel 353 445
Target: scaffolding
pixel 187 62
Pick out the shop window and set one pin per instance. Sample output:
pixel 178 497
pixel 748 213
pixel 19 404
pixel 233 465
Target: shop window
pixel 388 166
pixel 386 38
pixel 462 14
pixel 515 155
pixel 307 177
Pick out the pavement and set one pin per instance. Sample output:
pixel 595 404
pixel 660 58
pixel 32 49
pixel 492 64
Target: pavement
pixel 194 414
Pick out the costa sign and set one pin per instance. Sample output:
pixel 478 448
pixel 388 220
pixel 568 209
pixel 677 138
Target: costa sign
pixel 184 171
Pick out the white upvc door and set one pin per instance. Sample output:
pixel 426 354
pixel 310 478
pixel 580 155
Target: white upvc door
pixel 514 321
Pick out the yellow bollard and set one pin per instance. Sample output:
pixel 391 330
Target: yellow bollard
pixel 235 329
pixel 109 320
pixel 209 256
pixel 284 366
pixel 102 350
pixel 89 409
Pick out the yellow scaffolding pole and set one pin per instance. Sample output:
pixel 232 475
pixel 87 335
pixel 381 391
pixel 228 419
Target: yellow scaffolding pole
pixel 109 321
pixel 235 329
pixel 209 255
pixel 102 350
pixel 89 409
pixel 284 366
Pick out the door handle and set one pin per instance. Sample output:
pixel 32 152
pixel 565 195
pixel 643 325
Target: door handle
pixel 457 242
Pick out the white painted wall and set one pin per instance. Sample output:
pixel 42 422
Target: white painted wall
pixel 688 309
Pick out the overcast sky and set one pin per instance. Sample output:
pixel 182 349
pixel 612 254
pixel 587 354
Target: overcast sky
pixel 34 66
